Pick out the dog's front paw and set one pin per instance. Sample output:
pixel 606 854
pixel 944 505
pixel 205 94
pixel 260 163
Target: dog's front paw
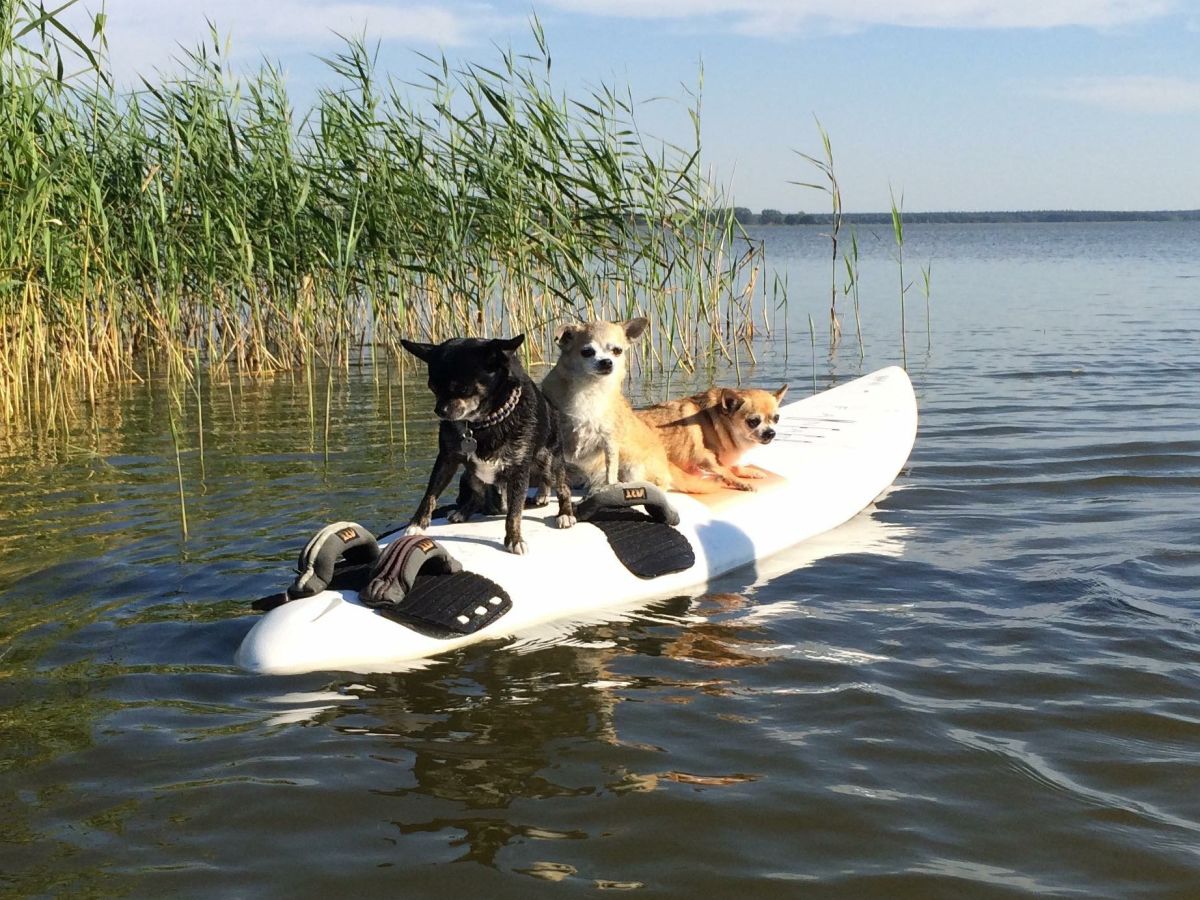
pixel 565 521
pixel 742 486
pixel 414 528
pixel 748 473
pixel 455 516
pixel 516 545
pixel 540 499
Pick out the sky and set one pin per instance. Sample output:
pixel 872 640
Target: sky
pixel 945 104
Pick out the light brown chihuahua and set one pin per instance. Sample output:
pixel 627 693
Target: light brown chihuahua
pixel 709 433
pixel 602 438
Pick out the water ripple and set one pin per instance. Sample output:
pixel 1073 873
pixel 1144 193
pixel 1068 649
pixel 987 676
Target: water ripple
pixel 986 687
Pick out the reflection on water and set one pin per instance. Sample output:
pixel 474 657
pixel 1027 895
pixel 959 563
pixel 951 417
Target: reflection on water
pixel 986 687
pixel 866 533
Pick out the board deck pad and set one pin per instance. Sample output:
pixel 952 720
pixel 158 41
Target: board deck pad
pixel 647 548
pixel 443 606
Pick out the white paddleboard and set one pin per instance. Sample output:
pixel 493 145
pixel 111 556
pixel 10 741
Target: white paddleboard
pixel 834 453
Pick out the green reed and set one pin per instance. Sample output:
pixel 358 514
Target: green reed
pixel 898 234
pixel 926 281
pixel 202 221
pixel 851 288
pixel 831 187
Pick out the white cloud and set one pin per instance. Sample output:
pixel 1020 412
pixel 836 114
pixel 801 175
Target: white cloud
pixel 1133 93
pixel 767 17
pixel 144 34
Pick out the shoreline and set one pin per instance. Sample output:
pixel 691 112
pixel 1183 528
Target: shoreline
pixel 1018 217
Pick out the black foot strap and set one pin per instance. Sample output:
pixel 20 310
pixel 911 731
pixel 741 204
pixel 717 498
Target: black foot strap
pixel 647 545
pixel 339 556
pixel 342 552
pixel 418 584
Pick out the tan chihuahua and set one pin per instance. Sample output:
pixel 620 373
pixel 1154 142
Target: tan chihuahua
pixel 709 433
pixel 602 437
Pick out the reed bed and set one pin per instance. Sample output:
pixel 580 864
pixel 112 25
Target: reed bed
pixel 201 222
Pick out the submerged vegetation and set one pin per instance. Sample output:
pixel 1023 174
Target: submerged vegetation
pixel 202 222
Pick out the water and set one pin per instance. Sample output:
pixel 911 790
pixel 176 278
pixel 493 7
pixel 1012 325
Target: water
pixel 987 687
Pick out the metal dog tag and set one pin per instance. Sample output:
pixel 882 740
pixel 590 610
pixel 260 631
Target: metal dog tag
pixel 466 442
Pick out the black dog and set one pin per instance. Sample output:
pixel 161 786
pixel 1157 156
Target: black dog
pixel 498 424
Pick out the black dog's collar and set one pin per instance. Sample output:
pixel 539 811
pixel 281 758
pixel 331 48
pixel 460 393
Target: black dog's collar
pixel 502 413
pixel 465 443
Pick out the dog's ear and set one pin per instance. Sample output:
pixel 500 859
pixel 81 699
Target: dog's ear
pixel 421 351
pixel 731 401
pixel 510 345
pixel 502 350
pixel 634 327
pixel 564 334
pixel 779 394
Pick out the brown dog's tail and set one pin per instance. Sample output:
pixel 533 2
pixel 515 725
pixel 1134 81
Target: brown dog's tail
pixel 687 483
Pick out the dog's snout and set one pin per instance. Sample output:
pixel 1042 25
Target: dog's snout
pixel 604 365
pixel 768 435
pixel 451 410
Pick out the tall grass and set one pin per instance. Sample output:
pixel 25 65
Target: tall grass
pixel 926 282
pixel 898 235
pixel 202 221
pixel 831 187
pixel 851 288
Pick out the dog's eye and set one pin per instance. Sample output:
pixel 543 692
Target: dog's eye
pixel 754 421
pixel 775 418
pixel 616 351
pixel 588 352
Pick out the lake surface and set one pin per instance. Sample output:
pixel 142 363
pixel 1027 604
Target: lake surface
pixel 987 686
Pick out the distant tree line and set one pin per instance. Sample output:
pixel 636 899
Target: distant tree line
pixel 746 216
